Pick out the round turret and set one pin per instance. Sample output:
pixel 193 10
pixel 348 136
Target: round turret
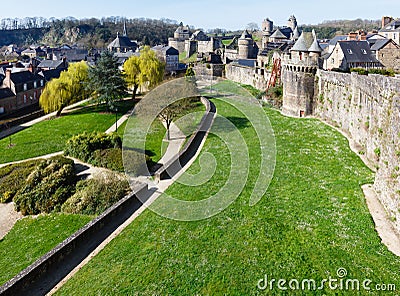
pixel 245 44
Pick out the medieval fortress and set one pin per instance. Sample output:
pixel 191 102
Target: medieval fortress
pixel 365 107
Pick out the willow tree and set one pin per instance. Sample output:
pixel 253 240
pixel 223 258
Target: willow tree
pixel 69 88
pixel 143 70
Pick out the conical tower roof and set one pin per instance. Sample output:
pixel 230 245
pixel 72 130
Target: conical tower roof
pixel 246 35
pixel 296 33
pixel 301 44
pixel 315 47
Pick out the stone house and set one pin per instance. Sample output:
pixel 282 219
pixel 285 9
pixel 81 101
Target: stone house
pixel 26 88
pixel 122 44
pixel 391 29
pixel 181 34
pixel 169 55
pixel 387 52
pixel 53 64
pixel 34 52
pixel 349 54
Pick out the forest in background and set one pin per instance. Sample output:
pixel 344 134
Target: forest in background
pixel 90 33
pixel 98 33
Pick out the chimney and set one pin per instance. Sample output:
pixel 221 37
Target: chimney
pixel 7 79
pixel 362 35
pixel 386 20
pixel 352 36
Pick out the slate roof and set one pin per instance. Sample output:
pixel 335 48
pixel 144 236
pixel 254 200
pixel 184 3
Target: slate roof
pixel 357 51
pixel 315 47
pixel 6 93
pixel 24 77
pixel 182 29
pixel 122 42
pixel 50 74
pixel 50 64
pixel 246 63
pixel 378 44
pixel 167 50
pixel 307 42
pixel 278 34
pixel 335 39
pixel 393 26
pixel 233 44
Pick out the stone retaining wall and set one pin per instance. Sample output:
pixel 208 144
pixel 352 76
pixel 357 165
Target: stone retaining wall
pixel 45 273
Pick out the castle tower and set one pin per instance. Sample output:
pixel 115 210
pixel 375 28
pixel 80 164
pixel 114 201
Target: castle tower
pixel 245 43
pixel 267 27
pixel 292 22
pixel 298 76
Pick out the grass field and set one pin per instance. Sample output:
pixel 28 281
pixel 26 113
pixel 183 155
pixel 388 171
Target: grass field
pixel 312 221
pixel 50 135
pixel 33 237
pixel 226 41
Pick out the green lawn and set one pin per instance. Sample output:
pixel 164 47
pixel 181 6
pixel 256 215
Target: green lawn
pixel 33 237
pixel 50 136
pixel 312 221
pixel 184 59
pixel 226 41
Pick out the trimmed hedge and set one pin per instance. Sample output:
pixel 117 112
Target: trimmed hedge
pixel 47 187
pixel 84 145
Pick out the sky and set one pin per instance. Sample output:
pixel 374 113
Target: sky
pixel 208 14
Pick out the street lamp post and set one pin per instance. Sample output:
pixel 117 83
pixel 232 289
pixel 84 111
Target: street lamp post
pixel 116 119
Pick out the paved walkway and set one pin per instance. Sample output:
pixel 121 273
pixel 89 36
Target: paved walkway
pixel 177 139
pixel 20 127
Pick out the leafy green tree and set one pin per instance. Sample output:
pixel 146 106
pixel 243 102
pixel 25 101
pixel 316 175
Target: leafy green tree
pixel 182 92
pixel 144 70
pixel 106 81
pixel 66 90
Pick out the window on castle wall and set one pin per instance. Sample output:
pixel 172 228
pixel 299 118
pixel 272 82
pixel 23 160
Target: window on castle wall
pixel 25 87
pixel 24 99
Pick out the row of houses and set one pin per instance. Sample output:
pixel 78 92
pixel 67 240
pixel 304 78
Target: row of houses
pixel 21 89
pixel 22 82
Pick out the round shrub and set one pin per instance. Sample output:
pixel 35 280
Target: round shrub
pixel 95 195
pixel 83 146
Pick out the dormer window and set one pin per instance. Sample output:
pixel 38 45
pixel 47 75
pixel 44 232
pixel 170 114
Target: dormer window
pixel 25 87
pixel 349 51
pixel 363 51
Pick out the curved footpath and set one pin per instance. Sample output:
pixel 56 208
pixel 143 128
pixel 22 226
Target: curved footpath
pixel 48 274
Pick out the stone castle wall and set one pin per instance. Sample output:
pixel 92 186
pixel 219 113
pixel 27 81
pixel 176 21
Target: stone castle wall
pixel 247 75
pixel 298 92
pixel 178 44
pixel 368 109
